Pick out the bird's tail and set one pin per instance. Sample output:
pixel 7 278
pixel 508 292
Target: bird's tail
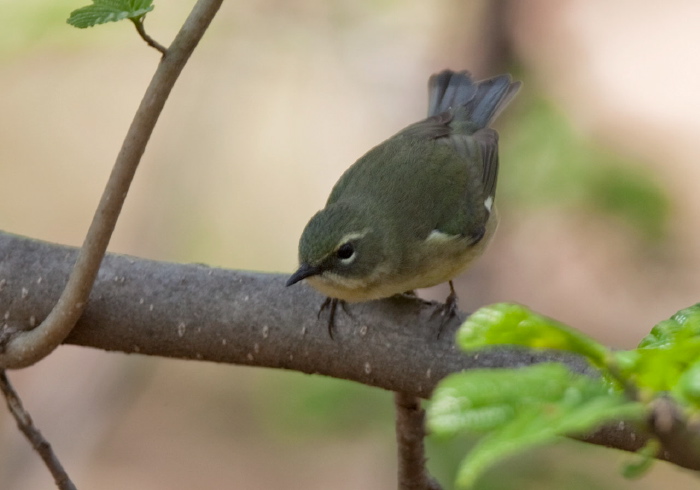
pixel 477 102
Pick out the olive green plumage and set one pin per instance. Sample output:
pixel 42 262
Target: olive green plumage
pixel 418 208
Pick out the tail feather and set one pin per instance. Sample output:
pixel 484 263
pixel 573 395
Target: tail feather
pixel 477 102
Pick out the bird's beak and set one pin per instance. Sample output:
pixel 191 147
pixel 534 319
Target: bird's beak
pixel 304 271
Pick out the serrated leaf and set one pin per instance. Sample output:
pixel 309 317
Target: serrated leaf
pixel 511 324
pixel 521 408
pixel 658 370
pixel 103 11
pixel 539 426
pixel 666 360
pixel 484 399
pixel 683 326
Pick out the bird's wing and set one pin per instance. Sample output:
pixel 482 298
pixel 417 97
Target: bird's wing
pixel 469 207
pixel 487 139
pixel 480 147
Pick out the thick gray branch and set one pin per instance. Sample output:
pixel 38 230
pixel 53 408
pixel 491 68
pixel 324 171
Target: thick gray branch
pixel 198 312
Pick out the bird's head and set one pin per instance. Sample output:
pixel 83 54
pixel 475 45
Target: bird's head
pixel 341 252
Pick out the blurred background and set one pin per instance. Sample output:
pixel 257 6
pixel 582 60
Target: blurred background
pixel 597 195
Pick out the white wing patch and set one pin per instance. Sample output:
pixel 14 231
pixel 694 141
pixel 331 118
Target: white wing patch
pixel 437 236
pixel 488 203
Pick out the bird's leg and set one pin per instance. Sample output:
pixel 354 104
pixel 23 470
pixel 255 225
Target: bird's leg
pixel 448 309
pixel 332 304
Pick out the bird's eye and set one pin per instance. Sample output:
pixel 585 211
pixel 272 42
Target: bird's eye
pixel 345 251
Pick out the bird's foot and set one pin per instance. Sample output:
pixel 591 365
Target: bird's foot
pixel 332 305
pixel 448 310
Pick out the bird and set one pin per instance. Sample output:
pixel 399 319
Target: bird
pixel 417 209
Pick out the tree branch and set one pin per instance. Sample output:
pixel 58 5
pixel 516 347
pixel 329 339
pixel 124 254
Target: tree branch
pixel 410 434
pixel 27 347
pixel 26 426
pixel 249 318
pixel 238 317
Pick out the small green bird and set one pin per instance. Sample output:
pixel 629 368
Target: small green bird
pixel 417 209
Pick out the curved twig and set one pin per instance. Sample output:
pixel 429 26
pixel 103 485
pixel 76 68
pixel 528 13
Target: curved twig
pixel 138 23
pixel 27 347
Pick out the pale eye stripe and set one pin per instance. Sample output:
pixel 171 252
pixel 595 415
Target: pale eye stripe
pixel 352 236
pixel 356 235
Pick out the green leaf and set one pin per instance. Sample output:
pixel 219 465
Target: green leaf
pixel 507 323
pixel 484 399
pixel 683 326
pixel 687 390
pixel 521 408
pixel 666 360
pixel 658 370
pixel 103 11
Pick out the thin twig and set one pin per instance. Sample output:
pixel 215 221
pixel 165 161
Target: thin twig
pixel 40 445
pixel 149 40
pixel 410 433
pixel 27 347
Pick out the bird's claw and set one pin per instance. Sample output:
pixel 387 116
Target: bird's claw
pixel 448 310
pixel 332 304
